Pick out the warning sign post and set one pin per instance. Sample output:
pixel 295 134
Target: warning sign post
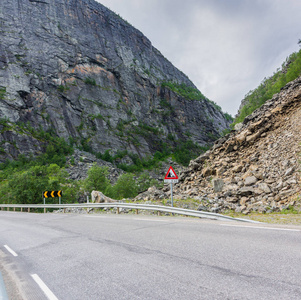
pixel 171 177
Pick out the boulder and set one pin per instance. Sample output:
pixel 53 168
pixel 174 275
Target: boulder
pixel 243 200
pixel 240 138
pixel 289 171
pixel 264 187
pixel 218 185
pixel 237 168
pixel 251 180
pixel 202 208
pixel 194 165
pixel 238 126
pixel 245 191
pixel 99 197
pixel 208 172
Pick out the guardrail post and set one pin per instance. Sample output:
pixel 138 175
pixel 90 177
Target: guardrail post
pixel 136 211
pixel 8 209
pixel 21 209
pixel 44 210
pixel 118 212
pixel 29 209
pixel 159 213
pixel 14 209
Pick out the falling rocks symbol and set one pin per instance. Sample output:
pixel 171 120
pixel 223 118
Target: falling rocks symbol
pixel 171 174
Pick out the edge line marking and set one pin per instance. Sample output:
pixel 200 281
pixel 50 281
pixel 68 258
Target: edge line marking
pixel 11 251
pixel 44 287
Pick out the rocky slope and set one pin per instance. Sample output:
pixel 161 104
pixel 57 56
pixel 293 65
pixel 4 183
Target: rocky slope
pixel 76 70
pixel 255 168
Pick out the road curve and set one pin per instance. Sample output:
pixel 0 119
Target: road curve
pixel 139 257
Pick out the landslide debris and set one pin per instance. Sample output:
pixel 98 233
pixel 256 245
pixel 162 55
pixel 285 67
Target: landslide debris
pixel 254 168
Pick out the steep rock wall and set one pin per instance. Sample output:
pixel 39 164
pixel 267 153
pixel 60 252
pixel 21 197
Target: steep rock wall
pixel 75 69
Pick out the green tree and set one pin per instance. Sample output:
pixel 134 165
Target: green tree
pixel 97 179
pixel 125 187
pixel 144 181
pixel 28 186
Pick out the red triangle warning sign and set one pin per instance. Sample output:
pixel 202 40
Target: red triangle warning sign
pixel 171 174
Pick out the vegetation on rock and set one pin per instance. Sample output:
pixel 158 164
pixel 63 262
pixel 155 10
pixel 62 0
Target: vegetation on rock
pixel 290 70
pixel 192 93
pixel 183 152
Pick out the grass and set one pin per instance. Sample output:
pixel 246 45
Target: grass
pixel 2 93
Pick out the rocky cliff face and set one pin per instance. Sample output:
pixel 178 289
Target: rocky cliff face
pixel 257 167
pixel 75 69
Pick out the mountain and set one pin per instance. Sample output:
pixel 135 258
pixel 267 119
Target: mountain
pixel 75 70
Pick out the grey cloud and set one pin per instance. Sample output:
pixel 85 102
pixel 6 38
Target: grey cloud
pixel 225 47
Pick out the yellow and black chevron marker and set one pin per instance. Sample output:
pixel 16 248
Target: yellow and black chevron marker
pixel 52 194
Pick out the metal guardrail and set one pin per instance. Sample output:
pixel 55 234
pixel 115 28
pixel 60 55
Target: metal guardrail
pixel 119 205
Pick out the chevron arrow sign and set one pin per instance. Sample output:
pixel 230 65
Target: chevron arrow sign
pixel 52 194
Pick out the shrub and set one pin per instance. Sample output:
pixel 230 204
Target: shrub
pixel 62 88
pixel 90 81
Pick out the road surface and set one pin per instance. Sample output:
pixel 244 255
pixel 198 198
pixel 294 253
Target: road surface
pixel 69 256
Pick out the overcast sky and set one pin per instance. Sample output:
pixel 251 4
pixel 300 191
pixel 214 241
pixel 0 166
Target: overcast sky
pixel 226 47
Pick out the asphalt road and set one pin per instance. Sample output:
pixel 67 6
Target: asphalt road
pixel 138 257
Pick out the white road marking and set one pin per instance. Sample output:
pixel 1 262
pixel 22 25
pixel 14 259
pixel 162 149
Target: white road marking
pixel 257 227
pixel 44 287
pixel 127 218
pixel 152 220
pixel 10 250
